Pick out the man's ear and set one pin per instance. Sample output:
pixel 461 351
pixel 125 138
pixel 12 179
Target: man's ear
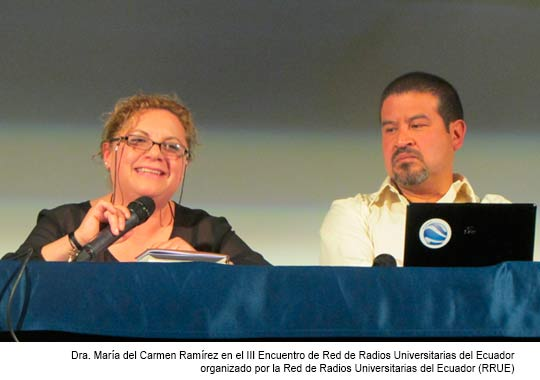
pixel 458 130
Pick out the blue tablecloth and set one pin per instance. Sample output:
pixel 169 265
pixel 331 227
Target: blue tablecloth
pixel 210 301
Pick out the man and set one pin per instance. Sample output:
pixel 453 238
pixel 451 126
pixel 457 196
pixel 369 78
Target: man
pixel 422 128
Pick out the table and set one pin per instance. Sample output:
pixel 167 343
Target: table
pixel 198 301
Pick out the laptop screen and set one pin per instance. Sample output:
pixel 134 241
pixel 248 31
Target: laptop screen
pixel 468 234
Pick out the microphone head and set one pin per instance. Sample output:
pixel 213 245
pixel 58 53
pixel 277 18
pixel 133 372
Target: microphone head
pixel 142 207
pixel 384 260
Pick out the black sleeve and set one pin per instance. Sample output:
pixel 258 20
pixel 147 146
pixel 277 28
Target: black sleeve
pixel 51 225
pixel 236 248
pixel 207 233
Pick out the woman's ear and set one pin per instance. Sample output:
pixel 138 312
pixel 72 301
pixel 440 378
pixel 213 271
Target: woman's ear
pixel 106 154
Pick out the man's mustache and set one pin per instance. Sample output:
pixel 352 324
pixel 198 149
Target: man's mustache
pixel 407 150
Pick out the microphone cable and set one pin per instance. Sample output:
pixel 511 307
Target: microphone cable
pixel 12 293
pixel 182 187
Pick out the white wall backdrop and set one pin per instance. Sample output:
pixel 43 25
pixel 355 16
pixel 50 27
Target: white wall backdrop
pixel 273 186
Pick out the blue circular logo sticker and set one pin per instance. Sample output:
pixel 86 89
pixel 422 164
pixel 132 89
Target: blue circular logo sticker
pixel 435 233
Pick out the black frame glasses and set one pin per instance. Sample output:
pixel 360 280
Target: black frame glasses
pixel 168 148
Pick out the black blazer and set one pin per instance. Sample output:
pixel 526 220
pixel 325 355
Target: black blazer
pixel 204 232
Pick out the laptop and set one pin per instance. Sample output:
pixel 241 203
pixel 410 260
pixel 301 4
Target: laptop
pixel 468 234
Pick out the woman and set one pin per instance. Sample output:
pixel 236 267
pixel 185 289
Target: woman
pixel 146 147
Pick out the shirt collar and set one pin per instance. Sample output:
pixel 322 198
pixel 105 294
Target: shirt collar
pixel 460 191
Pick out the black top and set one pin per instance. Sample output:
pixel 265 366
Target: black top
pixel 204 232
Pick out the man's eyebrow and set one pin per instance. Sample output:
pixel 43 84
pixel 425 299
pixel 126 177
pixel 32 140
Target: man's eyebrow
pixel 418 116
pixel 387 122
pixel 412 118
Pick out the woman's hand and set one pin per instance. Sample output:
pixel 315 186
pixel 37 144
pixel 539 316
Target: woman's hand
pixel 176 243
pixel 102 212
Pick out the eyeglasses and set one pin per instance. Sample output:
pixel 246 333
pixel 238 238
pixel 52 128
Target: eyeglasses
pixel 168 148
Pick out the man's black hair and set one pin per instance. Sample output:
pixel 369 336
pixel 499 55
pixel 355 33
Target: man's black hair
pixel 450 107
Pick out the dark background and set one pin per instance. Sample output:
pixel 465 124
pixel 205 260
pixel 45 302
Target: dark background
pixel 288 64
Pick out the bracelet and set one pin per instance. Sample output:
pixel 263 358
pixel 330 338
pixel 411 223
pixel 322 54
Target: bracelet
pixel 75 247
pixel 73 241
pixel 72 255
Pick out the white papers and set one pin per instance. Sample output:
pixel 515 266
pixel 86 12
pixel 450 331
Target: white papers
pixel 167 255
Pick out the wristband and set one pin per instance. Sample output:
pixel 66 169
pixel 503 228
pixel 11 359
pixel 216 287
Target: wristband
pixel 73 241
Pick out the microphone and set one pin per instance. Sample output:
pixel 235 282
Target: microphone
pixel 141 209
pixel 384 260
